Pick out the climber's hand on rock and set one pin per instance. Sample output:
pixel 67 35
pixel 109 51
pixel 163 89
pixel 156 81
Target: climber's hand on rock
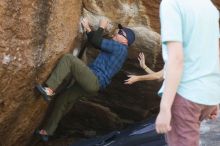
pixel 103 23
pixel 85 23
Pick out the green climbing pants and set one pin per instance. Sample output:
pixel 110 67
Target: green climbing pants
pixel 86 84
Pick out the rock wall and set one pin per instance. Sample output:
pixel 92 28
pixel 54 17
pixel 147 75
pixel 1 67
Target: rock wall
pixel 34 34
pixel 217 3
pixel 131 13
pixel 119 105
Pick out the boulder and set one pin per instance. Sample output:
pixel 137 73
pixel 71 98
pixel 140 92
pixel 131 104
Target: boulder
pixel 34 34
pixel 119 104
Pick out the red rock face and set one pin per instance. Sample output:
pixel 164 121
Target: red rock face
pixel 141 16
pixel 152 11
pixel 120 105
pixel 34 34
pixel 217 3
pixel 32 38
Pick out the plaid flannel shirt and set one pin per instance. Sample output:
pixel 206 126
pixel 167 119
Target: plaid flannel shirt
pixel 109 61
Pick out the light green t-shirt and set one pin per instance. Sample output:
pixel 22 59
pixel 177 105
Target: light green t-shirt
pixel 195 24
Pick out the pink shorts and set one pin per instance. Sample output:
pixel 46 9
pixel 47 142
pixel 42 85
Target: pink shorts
pixel 185 122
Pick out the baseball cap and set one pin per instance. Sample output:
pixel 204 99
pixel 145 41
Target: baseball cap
pixel 127 33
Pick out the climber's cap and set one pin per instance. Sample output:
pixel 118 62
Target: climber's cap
pixel 127 33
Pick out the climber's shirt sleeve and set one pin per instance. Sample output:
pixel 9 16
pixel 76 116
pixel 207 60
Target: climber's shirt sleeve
pixel 95 37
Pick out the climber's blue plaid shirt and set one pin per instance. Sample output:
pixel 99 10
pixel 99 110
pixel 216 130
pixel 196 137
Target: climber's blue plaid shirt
pixel 109 61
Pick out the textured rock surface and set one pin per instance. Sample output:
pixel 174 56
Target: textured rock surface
pixel 134 14
pixel 217 3
pixel 119 105
pixel 34 33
